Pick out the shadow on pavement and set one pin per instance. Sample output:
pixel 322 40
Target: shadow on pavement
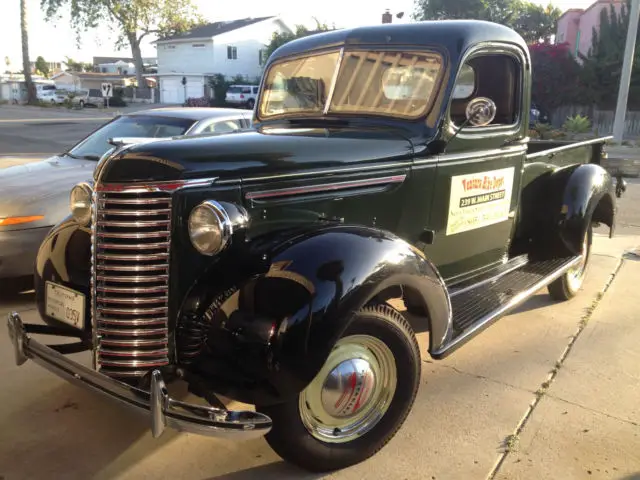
pixel 272 471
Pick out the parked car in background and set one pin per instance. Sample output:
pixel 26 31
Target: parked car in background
pixel 34 197
pixel 47 92
pixel 243 95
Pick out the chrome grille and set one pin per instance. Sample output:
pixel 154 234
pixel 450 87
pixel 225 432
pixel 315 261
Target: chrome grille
pixel 131 244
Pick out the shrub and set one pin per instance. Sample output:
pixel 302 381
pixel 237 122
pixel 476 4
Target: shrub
pixel 577 124
pixel 197 102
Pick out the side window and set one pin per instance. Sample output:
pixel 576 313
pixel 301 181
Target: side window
pixel 225 126
pixel 495 76
pixel 255 90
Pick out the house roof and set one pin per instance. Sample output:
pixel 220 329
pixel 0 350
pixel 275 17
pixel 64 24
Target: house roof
pixel 94 75
pixel 216 28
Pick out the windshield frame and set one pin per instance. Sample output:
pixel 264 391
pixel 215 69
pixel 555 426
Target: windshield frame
pixel 326 111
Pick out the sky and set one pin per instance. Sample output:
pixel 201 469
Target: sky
pixel 54 40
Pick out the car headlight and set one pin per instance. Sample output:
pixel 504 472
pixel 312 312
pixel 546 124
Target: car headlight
pixel 211 225
pixel 80 203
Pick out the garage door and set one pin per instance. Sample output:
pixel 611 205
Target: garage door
pixel 172 90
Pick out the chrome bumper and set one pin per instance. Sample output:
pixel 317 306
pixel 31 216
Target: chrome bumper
pixel 163 410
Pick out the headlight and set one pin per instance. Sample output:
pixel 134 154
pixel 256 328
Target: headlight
pixel 80 203
pixel 211 225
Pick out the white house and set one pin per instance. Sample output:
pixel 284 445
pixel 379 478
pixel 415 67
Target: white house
pixel 186 62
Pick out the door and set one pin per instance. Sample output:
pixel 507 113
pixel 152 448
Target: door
pixel 477 179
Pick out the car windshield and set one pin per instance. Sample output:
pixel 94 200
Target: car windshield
pixel 138 126
pixel 366 82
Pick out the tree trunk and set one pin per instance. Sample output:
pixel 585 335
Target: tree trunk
pixel 26 64
pixel 136 53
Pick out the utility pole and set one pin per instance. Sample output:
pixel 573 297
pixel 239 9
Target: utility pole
pixel 625 77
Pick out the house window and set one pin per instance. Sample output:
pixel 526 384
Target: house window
pixel 261 56
pixel 170 47
pixel 198 45
pixel 232 53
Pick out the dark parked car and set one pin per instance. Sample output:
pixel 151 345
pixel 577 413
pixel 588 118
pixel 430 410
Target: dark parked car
pixel 34 197
pixel 260 266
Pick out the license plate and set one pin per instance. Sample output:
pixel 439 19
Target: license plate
pixel 65 305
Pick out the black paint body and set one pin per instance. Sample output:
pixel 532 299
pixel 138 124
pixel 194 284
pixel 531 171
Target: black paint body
pixel 275 301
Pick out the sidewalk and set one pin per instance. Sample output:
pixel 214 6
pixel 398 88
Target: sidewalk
pixel 587 424
pixel 623 160
pixel 12 161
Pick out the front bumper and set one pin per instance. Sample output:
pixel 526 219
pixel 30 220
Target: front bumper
pixel 163 410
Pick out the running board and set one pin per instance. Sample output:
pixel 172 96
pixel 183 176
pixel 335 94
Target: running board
pixel 476 308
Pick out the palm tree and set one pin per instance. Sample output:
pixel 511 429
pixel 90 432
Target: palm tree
pixel 26 64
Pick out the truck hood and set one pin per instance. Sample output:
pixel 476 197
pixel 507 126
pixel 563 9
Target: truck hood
pixel 42 188
pixel 253 153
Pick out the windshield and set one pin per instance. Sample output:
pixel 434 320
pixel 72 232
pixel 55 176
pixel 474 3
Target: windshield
pixel 367 82
pixel 139 126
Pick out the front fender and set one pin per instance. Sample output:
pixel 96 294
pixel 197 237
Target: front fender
pixel 270 335
pixel 64 257
pixel 587 194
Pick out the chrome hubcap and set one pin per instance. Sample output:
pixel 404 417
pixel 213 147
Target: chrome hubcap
pixel 352 391
pixel 348 388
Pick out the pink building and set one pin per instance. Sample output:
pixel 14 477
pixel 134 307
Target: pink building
pixel 576 25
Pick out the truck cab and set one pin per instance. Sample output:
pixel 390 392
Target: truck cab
pixel 384 164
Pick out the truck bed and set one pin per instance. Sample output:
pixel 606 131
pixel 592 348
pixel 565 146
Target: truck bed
pixel 567 152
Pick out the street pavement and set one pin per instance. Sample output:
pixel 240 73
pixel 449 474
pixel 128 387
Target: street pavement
pixel 548 392
pixel 30 134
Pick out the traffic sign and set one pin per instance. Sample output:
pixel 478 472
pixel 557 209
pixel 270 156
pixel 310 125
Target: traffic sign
pixel 107 90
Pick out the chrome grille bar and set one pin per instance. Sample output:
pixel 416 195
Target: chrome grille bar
pixel 132 230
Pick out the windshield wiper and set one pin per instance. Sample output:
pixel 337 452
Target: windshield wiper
pixel 90 157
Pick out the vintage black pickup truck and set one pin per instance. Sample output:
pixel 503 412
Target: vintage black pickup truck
pixel 385 162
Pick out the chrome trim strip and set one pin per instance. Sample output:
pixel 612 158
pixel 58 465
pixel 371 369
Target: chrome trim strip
pixel 165 186
pixel 162 410
pixel 553 151
pixel 324 187
pixel 134 322
pixel 326 171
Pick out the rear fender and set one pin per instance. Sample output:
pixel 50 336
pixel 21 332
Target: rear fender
pixel 276 329
pixel 587 194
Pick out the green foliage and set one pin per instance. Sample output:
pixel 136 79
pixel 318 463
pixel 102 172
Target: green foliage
pixel 555 76
pixel 278 39
pixel 577 124
pixel 603 65
pixel 219 85
pixel 42 67
pixel 74 66
pixel 534 22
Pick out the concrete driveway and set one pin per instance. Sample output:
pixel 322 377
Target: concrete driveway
pixel 535 396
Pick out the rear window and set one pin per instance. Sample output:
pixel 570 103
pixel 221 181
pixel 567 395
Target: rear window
pixel 48 87
pixel 239 90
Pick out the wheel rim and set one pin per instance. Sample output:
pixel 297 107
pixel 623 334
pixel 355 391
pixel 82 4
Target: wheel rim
pixel 352 391
pixel 575 275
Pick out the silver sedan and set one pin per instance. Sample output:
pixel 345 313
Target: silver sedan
pixel 35 197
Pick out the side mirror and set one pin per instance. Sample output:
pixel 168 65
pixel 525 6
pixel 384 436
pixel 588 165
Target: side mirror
pixel 481 111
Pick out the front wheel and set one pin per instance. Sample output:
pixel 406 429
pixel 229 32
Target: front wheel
pixel 359 399
pixel 567 286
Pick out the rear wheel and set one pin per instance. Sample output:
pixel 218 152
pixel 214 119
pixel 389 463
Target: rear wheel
pixel 567 286
pixel 81 103
pixel 359 399
pixel 251 103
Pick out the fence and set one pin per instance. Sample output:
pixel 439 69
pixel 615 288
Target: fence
pixel 601 120
pixel 141 95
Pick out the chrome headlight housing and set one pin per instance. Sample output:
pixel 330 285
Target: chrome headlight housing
pixel 211 225
pixel 80 203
